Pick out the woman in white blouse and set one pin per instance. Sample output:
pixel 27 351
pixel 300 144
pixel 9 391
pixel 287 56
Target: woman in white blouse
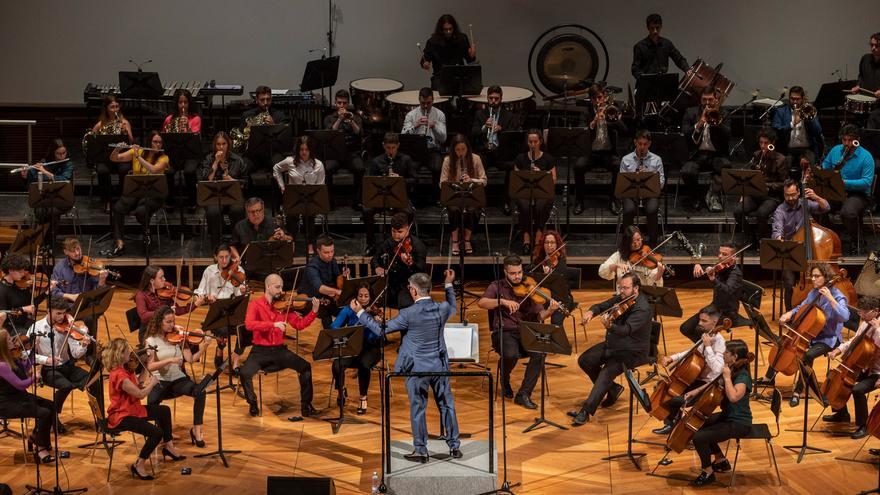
pixel 618 263
pixel 462 165
pixel 301 168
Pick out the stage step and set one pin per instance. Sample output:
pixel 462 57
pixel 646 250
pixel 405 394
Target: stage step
pixel 442 475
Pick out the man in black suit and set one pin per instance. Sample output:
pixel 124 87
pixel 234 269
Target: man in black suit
pixel 391 163
pixel 709 137
pixel 488 123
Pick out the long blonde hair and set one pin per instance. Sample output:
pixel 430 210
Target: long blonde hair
pixel 115 353
pixel 5 352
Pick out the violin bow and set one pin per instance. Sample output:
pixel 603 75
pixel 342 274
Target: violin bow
pixel 618 303
pixel 400 245
pixel 547 257
pixel 726 259
pixel 133 350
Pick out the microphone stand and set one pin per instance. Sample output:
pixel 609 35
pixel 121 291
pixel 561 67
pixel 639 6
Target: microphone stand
pixel 38 488
pixel 382 369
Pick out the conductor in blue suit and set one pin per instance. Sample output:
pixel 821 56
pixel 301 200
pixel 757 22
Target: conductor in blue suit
pixel 423 350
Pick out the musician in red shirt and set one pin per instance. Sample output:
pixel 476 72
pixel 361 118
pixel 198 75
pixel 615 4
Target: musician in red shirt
pixel 268 326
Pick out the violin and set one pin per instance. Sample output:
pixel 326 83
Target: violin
pixel 88 266
pixel 21 344
pixel 39 281
pixel 232 274
pixel 406 249
pixel 292 300
pixel 179 335
pixel 686 371
pixel 340 279
pixel 135 364
pixel 76 330
pixel 614 312
pixel 171 294
pixel 648 259
pixel 725 263
pixel 528 288
pixel 857 359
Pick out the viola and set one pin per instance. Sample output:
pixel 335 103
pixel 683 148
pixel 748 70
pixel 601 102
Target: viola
pixel 172 294
pixel 616 311
pixel 76 330
pixel 686 371
pixel 179 335
pixel 647 258
pixel 857 359
pixel 804 326
pixel 232 274
pixel 89 266
pixel 528 288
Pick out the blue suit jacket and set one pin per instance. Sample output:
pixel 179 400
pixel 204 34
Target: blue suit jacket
pixel 423 347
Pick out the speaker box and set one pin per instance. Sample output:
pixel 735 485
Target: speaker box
pixel 299 485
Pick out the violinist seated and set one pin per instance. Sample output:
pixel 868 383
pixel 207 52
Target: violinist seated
pixel 401 255
pixel 831 302
pixel 168 351
pixel 642 160
pixel 57 172
pixel 321 276
pixel 72 276
pixel 549 261
pixel 256 227
pixel 869 313
pixel 537 160
pixel 268 324
pixel 126 413
pixel 735 418
pixel 727 282
pixel 604 131
pixel 69 340
pixel 462 166
pixel 627 345
pixel 143 162
pixel 773 167
pixel 16 291
pixel 709 134
pixel 391 163
pixel 153 292
pixel 214 286
pixel 711 347
pixel 631 250
pixel 801 137
pixel 502 301
pixel 222 164
pixel 371 351
pixel 856 167
pixel 788 219
pixel 16 377
pixel 303 168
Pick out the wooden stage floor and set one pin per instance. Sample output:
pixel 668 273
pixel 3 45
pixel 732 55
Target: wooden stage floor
pixel 546 461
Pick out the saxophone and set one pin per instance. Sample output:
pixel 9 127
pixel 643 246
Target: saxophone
pixel 240 136
pixel 177 125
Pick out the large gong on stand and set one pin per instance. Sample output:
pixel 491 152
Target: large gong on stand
pixel 567 57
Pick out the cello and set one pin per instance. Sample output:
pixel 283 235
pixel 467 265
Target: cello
pixel 820 244
pixel 804 326
pixel 686 371
pixel 859 356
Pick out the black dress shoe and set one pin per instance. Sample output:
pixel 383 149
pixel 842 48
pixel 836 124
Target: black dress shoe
pixel 416 457
pixel 703 479
pixel 307 410
pixel 505 208
pixel 455 453
pixel 254 410
pixel 135 474
pixel 47 459
pixel 581 418
pixel 525 401
pixel 663 430
pixel 841 416
pixel 860 433
pixel 579 207
pixel 721 466
pixel 507 390
pixel 874 452
pixel 612 396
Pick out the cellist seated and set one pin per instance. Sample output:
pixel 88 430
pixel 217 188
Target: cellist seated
pixel 711 347
pixel 832 303
pixel 869 311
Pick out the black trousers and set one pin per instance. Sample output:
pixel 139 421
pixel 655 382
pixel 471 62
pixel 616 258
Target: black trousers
pixel 512 352
pixel 789 279
pixel 262 357
pixel 104 171
pixel 794 161
pixel 354 164
pixel 703 160
pixel 715 431
pixel 153 434
pixel 650 206
pixel 469 218
pixel 214 216
pixel 67 377
pixel 851 211
pixel 190 180
pixel 179 388
pixel 815 350
pixel 533 220
pixel 308 227
pixel 597 159
pixel 25 405
pixel 363 362
pixel 866 384
pixel 603 366
pixel 141 208
pixel 762 209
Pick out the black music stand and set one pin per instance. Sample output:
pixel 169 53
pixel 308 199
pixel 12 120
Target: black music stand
pixel 28 240
pixel 219 193
pixel 742 183
pixel 570 144
pixel 265 257
pixel 48 195
pixel 511 144
pixel 335 344
pixel 459 80
pixel 637 186
pixel 808 378
pixel 532 185
pixel 306 200
pixel 146 186
pixel 636 392
pixel 350 287
pixel 139 85
pixel 265 139
pixel 329 144
pixel 828 185
pixel 462 196
pixel 180 147
pixel 544 339
pixel 833 94
pixel 224 313
pixel 98 146
pixel 381 193
pixel 657 88
pixel 320 73
pixel 779 255
pixel 416 146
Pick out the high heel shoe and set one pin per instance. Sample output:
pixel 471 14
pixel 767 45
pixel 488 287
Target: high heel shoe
pixel 362 407
pixel 197 443
pixel 136 474
pixel 47 459
pixel 175 458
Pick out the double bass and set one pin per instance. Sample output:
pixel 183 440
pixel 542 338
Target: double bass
pixel 686 371
pixel 859 356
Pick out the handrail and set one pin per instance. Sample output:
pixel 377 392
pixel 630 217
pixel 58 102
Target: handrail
pixel 30 127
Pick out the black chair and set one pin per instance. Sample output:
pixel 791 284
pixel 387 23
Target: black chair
pixel 103 431
pixel 271 369
pixel 761 431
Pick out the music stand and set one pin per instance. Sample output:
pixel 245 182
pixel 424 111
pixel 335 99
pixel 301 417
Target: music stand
pixel 742 183
pixel 532 185
pixel 28 240
pixel 637 186
pixel 98 146
pixel 48 195
pixel 636 392
pixel 570 144
pixel 266 138
pixel 224 313
pixel 510 144
pixel 139 85
pixel 459 80
pixel 544 339
pixel 335 344
pixel 828 185
pixel 833 94
pixel 462 196
pixel 320 73
pixel 95 303
pixel 808 378
pixel 657 88
pixel 307 200
pixel 219 193
pixel 180 147
pixel 381 193
pixel 147 186
pixel 329 144
pixel 782 255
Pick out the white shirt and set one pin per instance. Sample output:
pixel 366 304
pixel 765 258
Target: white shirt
pixel 164 350
pixel 646 276
pixel 310 172
pixel 212 284
pixel 798 138
pixel 651 163
pixel 65 348
pixel 713 354
pixel 436 135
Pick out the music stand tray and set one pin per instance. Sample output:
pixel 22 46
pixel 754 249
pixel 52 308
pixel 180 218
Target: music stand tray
pixel 225 313
pixel 743 183
pixel 265 139
pixel 219 193
pixel 306 200
pixel 637 185
pixel 329 144
pixel 416 146
pixel 385 192
pixel 463 195
pixel 139 85
pixel 182 145
pixel 53 195
pixel 28 240
pixel 94 302
pixel 145 186
pixel 783 255
pixel 531 185
pixel 664 300
pixel 569 142
pixel 350 287
pixel 832 94
pixel 335 344
pixel 828 184
pixel 320 74
pixel 268 256
pixel 459 80
pixel 98 146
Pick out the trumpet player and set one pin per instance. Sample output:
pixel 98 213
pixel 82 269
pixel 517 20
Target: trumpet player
pixel 642 160
pixel 185 120
pixel 772 166
pixel 345 119
pixel 391 163
pixel 221 164
pixel 429 121
pixel 603 120
pixel 489 122
pixel 856 167
pixel 709 137
pixel 799 131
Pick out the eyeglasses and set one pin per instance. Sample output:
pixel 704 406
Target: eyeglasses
pixel 255 212
pixel 815 276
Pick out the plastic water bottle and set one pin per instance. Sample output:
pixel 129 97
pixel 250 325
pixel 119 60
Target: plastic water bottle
pixel 374 490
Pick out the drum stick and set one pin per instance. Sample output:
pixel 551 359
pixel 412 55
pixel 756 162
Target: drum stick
pixel 419 46
pixel 471 34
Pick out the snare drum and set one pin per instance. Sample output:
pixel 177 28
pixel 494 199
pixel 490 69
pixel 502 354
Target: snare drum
pixel 860 103
pixel 402 102
pixel 368 96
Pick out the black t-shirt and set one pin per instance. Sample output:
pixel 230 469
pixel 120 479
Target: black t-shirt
pixel 869 73
pixel 545 163
pixel 739 411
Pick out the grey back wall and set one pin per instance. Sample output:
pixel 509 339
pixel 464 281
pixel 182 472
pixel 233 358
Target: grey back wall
pixel 52 48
